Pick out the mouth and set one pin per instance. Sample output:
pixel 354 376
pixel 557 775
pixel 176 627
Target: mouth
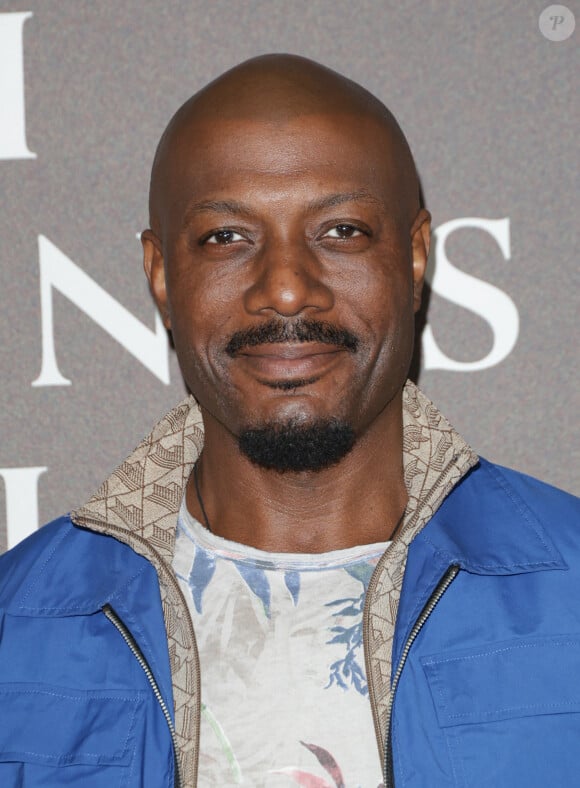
pixel 277 364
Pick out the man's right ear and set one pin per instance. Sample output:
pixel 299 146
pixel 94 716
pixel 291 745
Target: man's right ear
pixel 155 273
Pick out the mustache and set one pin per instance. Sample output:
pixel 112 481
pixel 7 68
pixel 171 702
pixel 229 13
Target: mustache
pixel 298 331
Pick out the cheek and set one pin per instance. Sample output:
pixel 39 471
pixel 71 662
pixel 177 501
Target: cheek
pixel 383 298
pixel 191 299
pixel 202 321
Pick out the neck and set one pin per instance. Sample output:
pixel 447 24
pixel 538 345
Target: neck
pixel 360 500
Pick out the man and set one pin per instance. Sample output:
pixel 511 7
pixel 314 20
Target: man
pixel 305 576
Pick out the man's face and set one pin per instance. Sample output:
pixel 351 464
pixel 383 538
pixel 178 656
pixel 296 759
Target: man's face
pixel 291 271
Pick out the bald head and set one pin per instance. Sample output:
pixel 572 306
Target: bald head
pixel 275 90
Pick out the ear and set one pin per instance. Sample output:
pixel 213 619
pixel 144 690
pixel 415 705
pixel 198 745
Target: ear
pixel 420 242
pixel 155 273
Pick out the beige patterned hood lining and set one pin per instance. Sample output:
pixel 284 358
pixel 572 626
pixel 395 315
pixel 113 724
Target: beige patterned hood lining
pixel 435 458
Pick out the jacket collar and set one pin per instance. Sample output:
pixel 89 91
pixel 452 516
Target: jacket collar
pixel 486 527
pixel 140 501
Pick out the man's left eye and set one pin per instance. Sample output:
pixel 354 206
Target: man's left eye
pixel 343 231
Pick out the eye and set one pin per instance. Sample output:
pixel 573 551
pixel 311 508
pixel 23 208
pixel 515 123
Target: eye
pixel 344 231
pixel 222 237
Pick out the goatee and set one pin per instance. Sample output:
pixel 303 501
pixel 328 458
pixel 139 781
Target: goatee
pixel 297 447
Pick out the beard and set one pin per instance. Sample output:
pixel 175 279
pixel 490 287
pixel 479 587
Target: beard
pixel 297 446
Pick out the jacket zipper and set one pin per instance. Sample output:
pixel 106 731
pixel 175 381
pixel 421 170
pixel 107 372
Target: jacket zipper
pixel 138 654
pixel 443 479
pixel 431 604
pixel 169 581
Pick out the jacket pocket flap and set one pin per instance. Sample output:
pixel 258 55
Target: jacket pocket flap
pixel 516 678
pixel 57 726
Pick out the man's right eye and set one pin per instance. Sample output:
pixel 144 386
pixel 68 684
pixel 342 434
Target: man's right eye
pixel 222 237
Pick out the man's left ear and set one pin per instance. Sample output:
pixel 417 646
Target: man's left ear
pixel 420 241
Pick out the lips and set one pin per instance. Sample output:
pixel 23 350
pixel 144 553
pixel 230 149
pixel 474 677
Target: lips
pixel 283 361
pixel 290 350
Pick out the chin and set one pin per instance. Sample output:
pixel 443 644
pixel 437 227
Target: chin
pixel 297 445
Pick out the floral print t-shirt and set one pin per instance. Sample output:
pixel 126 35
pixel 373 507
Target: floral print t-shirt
pixel 284 691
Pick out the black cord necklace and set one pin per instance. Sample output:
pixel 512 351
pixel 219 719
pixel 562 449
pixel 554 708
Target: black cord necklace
pixel 206 518
pixel 200 499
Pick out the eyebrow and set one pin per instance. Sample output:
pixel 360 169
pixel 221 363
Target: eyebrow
pixel 362 195
pixel 235 208
pixel 217 206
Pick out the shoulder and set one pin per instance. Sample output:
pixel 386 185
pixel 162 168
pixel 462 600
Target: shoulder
pixel 62 561
pixel 496 517
pixel 509 495
pixel 545 499
pixel 17 564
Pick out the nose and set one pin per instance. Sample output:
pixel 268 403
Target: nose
pixel 288 279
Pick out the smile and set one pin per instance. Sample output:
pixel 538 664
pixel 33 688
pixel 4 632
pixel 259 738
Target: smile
pixel 284 361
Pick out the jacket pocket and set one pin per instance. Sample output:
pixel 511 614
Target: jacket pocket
pixel 510 711
pixel 56 726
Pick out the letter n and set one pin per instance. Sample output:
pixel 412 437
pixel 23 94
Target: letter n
pixel 58 272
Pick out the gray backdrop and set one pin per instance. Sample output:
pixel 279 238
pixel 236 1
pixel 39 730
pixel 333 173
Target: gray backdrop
pixel 490 106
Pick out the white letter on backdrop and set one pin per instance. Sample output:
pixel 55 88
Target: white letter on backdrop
pixel 481 298
pixel 57 271
pixel 12 116
pixel 21 485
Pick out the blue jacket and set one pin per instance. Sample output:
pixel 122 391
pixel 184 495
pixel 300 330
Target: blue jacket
pixel 485 688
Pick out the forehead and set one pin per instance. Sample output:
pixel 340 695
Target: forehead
pixel 311 152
